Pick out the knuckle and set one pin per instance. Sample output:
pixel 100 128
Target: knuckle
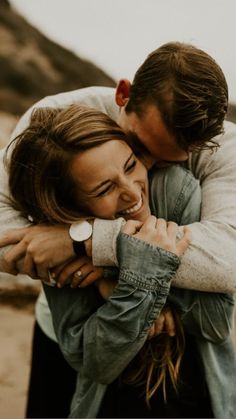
pixel 25 240
pixel 30 249
pixel 38 260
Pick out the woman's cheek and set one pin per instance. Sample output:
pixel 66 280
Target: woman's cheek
pixel 105 208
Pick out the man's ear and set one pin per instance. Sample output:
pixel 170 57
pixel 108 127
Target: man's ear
pixel 122 92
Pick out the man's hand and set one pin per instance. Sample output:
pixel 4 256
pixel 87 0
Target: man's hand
pixel 106 287
pixel 41 247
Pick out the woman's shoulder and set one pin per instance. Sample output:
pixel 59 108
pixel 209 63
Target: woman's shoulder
pixel 171 173
pixel 170 190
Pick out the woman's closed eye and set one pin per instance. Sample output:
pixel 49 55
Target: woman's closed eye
pixel 131 166
pixel 108 189
pixel 128 168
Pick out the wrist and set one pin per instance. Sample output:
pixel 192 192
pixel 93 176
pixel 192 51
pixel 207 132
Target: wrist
pixel 80 233
pixel 145 265
pixel 88 247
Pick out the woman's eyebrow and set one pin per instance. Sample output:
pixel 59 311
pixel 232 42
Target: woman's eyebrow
pixel 108 180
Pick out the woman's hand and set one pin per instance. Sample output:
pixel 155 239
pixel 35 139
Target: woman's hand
pixel 106 287
pixel 79 272
pixel 161 233
pixel 165 323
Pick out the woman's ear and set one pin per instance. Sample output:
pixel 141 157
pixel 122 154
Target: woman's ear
pixel 122 92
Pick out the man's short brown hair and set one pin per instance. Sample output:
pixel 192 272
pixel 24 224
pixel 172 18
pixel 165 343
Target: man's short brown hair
pixel 189 89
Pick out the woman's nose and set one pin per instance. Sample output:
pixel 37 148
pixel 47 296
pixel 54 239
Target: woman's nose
pixel 130 193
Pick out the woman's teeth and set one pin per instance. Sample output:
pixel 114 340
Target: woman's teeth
pixel 135 208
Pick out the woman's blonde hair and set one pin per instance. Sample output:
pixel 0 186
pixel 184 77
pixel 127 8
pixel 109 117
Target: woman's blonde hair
pixel 39 177
pixel 157 364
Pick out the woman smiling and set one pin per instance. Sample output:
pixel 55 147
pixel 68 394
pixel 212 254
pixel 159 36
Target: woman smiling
pixel 72 163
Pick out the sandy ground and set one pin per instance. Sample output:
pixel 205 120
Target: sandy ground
pixel 15 351
pixel 17 302
pixel 15 337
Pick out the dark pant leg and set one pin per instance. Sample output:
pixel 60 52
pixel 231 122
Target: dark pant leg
pixel 52 380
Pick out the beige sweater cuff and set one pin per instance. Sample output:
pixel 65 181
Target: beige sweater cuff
pixel 105 233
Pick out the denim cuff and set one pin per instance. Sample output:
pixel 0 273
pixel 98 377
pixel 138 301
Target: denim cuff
pixel 144 265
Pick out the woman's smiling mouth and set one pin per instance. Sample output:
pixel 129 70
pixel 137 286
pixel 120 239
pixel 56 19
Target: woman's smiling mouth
pixel 134 208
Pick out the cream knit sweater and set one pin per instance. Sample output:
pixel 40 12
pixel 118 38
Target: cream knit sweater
pixel 209 264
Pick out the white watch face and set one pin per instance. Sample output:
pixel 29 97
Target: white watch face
pixel 80 231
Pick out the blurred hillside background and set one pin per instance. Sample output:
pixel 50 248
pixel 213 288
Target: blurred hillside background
pixel 33 66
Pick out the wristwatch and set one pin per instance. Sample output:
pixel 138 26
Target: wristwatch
pixel 79 232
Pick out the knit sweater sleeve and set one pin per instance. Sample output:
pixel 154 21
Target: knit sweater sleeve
pixel 209 264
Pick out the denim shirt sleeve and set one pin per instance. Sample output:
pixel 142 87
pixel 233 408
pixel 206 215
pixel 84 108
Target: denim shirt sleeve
pixel 205 315
pixel 100 339
pixel 208 316
pixel 175 195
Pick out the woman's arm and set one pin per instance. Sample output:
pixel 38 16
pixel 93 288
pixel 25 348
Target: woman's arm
pixel 100 340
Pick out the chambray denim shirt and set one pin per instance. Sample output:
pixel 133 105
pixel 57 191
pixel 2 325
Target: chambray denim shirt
pixel 100 339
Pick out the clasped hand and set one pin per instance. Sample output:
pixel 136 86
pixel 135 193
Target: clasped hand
pixel 43 248
pixel 161 233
